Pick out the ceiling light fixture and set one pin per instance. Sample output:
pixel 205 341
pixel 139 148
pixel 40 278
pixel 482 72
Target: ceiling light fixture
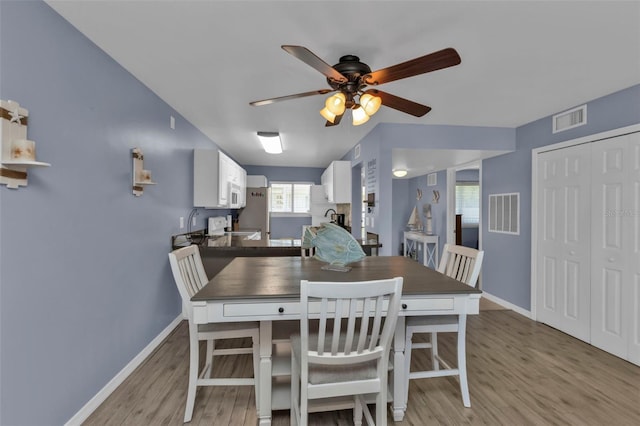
pixel 400 172
pixel 337 104
pixel 334 106
pixel 359 115
pixel 271 142
pixel 370 104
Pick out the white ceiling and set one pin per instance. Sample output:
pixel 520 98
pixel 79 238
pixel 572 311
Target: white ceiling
pixel 521 60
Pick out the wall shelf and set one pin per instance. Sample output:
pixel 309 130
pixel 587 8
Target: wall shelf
pixel 26 163
pixel 140 176
pixel 17 153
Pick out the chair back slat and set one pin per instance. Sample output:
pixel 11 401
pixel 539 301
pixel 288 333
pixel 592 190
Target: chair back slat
pixel 341 305
pixel 351 327
pixel 377 321
pixel 337 326
pixel 461 263
pixel 367 306
pixel 188 273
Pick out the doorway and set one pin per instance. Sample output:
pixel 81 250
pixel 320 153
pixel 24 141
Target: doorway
pixel 464 205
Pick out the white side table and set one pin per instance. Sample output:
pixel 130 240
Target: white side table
pixel 429 243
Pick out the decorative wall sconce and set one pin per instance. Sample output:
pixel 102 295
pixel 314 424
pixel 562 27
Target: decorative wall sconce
pixel 141 177
pixel 18 153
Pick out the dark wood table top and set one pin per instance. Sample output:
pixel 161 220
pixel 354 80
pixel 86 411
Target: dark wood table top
pixel 279 277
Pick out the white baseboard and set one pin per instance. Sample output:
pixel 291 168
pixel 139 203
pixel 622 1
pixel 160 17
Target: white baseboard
pixel 104 393
pixel 507 305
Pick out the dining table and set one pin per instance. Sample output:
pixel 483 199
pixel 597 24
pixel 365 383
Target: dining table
pixel 267 290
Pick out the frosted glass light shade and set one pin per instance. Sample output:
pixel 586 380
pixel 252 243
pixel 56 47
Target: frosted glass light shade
pixel 370 104
pixel 359 116
pixel 399 173
pixel 328 115
pixel 336 103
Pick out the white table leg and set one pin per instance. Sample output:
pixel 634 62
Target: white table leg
pixel 399 379
pixel 425 254
pixel 264 414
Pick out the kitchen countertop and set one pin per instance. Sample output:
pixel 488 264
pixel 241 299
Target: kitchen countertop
pixel 229 241
pixel 235 242
pixel 218 251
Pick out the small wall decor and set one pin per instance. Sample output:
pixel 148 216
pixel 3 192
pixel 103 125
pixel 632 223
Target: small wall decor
pixel 141 177
pixel 18 153
pixel 436 196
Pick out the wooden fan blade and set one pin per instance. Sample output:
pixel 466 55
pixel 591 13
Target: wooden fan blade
pixel 285 98
pixel 309 58
pixel 434 61
pixel 401 104
pixel 336 121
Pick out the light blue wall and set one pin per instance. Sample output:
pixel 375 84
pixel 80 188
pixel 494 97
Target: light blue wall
pixel 468 175
pixel 401 210
pixel 507 262
pixel 85 282
pixel 288 227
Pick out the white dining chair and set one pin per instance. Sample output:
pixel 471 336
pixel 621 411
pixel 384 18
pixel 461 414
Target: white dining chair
pixel 462 264
pixel 343 346
pixel 190 277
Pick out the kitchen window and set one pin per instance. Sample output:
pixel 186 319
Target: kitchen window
pixel 290 198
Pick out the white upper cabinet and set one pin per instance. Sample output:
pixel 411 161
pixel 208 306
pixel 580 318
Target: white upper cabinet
pixel 336 181
pixel 243 186
pixel 213 174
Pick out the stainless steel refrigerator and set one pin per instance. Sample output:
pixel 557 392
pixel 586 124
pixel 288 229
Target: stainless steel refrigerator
pixel 255 215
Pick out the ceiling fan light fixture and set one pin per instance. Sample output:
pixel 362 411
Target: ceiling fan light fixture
pixel 359 116
pixel 371 104
pixel 400 172
pixel 328 115
pixel 271 142
pixel 336 103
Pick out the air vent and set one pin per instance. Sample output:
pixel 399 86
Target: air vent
pixel 569 119
pixel 504 213
pixel 432 179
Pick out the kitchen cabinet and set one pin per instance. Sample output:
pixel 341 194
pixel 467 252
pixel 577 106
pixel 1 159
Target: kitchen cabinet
pixel 213 175
pixel 336 181
pixel 243 187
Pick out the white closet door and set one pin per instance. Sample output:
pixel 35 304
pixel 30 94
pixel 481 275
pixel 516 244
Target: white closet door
pixel 609 242
pixel 563 245
pixel 633 262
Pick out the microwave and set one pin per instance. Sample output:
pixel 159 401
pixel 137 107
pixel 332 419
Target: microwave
pixel 235 197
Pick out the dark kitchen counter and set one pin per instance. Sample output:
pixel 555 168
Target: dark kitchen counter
pixel 241 246
pixel 217 252
pixel 238 245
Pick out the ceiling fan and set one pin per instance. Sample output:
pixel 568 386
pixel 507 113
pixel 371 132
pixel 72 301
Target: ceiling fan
pixel 350 78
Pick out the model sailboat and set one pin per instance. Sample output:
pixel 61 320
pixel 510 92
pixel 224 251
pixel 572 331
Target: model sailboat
pixel 415 223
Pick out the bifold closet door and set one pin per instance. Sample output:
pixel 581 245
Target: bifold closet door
pixel 615 246
pixel 563 257
pixel 634 261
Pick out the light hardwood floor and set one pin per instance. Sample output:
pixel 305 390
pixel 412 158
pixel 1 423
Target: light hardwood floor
pixel 520 373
